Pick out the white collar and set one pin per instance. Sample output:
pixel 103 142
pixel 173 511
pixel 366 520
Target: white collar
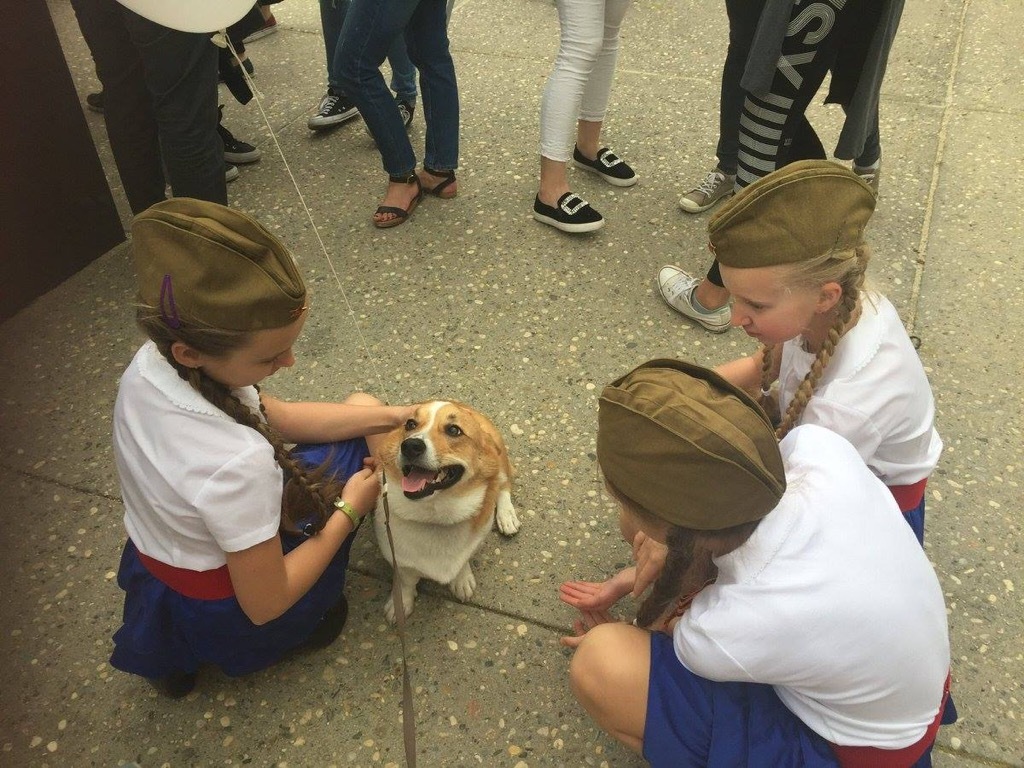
pixel 155 369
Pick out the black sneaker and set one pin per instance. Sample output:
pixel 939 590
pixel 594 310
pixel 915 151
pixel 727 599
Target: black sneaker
pixel 572 214
pixel 330 626
pixel 235 150
pixel 608 166
pixel 333 110
pixel 176 685
pixel 230 172
pixel 247 63
pixel 406 109
pixel 94 101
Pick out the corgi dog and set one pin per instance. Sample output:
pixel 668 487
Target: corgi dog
pixel 447 479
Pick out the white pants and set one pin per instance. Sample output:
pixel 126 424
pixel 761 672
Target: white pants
pixel 579 86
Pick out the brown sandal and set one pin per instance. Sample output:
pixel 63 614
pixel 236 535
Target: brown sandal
pixel 400 214
pixel 442 189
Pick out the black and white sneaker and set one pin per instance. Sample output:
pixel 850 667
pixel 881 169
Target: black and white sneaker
pixel 334 109
pixel 608 166
pixel 230 172
pixel 406 109
pixel 236 150
pixel 572 214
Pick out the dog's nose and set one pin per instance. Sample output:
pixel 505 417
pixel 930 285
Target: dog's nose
pixel 413 447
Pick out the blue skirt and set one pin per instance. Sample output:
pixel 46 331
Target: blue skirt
pixel 693 722
pixel 164 632
pixel 915 519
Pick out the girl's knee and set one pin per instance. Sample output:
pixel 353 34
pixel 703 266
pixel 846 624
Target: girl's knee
pixel 598 660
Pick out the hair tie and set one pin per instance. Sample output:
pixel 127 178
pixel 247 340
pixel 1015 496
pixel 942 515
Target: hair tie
pixel 167 293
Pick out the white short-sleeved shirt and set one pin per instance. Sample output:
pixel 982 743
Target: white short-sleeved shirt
pixel 874 392
pixel 832 601
pixel 195 483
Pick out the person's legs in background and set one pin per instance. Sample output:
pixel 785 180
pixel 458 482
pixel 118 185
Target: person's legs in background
pixel 335 106
pixel 720 182
pixel 371 27
pixel 582 26
pixel 426 36
pixel 181 74
pixel 127 107
pixel 403 78
pixel 594 104
pixel 773 131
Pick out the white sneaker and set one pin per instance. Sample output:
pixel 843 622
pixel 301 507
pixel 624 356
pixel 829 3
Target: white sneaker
pixel 870 174
pixel 677 289
pixel 715 186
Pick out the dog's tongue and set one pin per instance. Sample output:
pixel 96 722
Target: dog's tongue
pixel 416 480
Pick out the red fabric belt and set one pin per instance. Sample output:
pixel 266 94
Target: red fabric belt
pixel 875 757
pixel 908 496
pixel 201 585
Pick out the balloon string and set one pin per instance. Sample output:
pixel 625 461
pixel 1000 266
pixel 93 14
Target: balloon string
pixel 223 40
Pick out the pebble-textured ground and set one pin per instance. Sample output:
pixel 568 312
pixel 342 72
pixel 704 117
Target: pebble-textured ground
pixel 473 300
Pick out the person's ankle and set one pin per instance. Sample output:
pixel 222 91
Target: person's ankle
pixel 708 297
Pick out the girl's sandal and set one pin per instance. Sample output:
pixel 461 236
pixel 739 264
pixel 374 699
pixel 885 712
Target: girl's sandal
pixel 400 214
pixel 444 189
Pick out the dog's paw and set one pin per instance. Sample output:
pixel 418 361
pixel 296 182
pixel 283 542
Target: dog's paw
pixel 389 608
pixel 506 517
pixel 464 584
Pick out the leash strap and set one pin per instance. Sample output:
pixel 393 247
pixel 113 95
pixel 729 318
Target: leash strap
pixel 408 713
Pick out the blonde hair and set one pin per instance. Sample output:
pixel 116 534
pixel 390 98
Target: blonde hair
pixel 305 491
pixel 848 269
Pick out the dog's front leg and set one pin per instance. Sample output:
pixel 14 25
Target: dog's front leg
pixel 505 514
pixel 464 583
pixel 407 580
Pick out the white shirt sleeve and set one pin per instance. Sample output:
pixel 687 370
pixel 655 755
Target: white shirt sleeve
pixel 241 502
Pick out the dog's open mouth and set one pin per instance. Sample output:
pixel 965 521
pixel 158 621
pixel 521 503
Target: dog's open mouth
pixel 419 482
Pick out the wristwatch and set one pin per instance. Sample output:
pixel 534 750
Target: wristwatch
pixel 349 511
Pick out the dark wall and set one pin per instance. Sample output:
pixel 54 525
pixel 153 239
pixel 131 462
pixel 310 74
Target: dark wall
pixel 56 210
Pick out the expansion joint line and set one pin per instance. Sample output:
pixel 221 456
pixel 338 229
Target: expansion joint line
pixel 940 153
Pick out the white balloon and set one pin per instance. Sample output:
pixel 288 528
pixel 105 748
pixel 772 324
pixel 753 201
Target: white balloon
pixel 191 15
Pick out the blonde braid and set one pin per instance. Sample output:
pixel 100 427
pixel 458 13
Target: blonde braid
pixel 768 400
pixel 849 270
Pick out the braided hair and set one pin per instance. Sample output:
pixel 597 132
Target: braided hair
pixel 688 565
pixel 848 270
pixel 306 493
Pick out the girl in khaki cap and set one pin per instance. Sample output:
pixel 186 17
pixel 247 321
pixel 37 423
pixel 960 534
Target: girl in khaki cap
pixel 796 653
pixel 212 571
pixel 792 252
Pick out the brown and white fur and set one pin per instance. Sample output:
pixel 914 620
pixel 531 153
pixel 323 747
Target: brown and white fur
pixel 448 479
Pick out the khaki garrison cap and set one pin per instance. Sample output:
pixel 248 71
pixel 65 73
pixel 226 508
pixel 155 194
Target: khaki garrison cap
pixel 688 446
pixel 802 211
pixel 203 263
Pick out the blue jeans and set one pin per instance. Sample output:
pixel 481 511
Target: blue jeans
pixel 370 28
pixel 403 73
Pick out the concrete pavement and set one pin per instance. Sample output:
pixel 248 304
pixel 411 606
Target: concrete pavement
pixel 473 300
